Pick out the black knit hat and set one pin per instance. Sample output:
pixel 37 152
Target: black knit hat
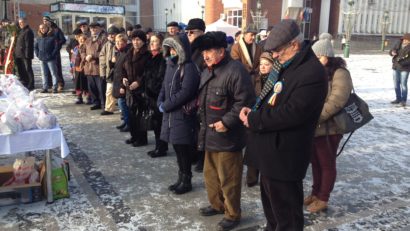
pixel 173 23
pixel 196 23
pixel 281 34
pixel 212 39
pixel 139 34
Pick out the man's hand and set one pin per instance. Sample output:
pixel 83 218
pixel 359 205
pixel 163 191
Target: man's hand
pixel 122 91
pixel 134 85
pixel 218 127
pixel 113 59
pixel 243 116
pixel 88 58
pixel 125 82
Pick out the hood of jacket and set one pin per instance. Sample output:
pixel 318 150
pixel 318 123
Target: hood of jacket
pixel 181 44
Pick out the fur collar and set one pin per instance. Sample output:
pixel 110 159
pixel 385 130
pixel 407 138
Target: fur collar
pixel 245 53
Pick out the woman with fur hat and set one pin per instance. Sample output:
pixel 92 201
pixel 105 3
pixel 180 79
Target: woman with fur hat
pixel 327 136
pixel 133 81
pixel 180 87
pixel 46 50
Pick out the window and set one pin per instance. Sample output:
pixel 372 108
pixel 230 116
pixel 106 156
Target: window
pixel 234 17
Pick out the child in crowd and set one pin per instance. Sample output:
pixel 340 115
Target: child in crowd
pixel 80 80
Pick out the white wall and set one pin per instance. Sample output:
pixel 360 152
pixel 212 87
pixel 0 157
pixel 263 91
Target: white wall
pixel 324 17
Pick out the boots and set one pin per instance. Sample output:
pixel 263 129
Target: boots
pixel 176 184
pixel 185 186
pixel 317 206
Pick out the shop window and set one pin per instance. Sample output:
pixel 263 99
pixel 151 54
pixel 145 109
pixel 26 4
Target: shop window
pixel 234 17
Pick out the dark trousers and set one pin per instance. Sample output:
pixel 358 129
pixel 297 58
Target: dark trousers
pixel 282 204
pixel 160 145
pixel 184 157
pixel 324 165
pixel 134 117
pixel 95 90
pixel 25 70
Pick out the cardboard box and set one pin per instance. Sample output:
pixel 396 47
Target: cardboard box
pixel 17 194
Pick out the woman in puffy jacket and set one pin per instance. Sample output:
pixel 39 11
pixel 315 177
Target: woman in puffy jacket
pixel 46 49
pixel 327 136
pixel 180 87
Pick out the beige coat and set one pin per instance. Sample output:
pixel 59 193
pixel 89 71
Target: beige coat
pixel 337 96
pixel 240 52
pixel 106 54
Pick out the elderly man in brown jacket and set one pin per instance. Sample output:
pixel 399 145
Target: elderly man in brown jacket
pixel 247 51
pixel 91 55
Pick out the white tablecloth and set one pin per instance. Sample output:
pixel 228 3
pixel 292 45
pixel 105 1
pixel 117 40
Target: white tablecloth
pixel 34 140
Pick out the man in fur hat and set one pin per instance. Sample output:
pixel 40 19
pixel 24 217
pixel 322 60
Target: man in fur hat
pixel 223 91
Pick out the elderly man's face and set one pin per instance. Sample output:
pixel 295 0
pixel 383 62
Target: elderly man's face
pixel 22 23
pixel 286 51
pixel 213 56
pixel 406 42
pixel 84 28
pixel 95 30
pixel 172 30
pixel 193 34
pixel 249 38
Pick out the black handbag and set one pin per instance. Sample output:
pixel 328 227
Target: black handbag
pixel 146 121
pixel 353 116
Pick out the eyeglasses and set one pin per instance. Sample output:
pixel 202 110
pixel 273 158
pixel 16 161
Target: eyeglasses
pixel 190 32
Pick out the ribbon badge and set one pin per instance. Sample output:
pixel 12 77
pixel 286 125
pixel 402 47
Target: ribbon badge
pixel 277 88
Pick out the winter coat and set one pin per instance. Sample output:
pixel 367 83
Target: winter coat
pixel 46 46
pixel 24 44
pixel 106 54
pixel 401 61
pixel 338 93
pixel 240 52
pixel 93 48
pixel 59 36
pixel 280 137
pixel 177 126
pixel 224 90
pixel 154 76
pixel 121 57
pixel 259 82
pixel 133 70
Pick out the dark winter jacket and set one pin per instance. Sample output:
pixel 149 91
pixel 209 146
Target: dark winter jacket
pixel 401 61
pixel 281 136
pixel 121 57
pixel 59 35
pixel 176 91
pixel 154 75
pixel 133 70
pixel 46 46
pixel 224 90
pixel 24 44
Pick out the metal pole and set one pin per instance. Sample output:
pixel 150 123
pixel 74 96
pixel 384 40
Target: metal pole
pixel 349 26
pixel 5 8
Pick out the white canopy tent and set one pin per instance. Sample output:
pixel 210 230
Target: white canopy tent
pixel 221 25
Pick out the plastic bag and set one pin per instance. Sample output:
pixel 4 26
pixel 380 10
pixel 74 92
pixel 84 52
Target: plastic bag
pixel 24 172
pixel 46 120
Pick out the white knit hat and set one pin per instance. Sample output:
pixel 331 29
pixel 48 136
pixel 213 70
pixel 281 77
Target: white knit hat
pixel 323 47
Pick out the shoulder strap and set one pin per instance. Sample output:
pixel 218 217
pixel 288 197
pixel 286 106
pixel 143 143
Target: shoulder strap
pixel 343 146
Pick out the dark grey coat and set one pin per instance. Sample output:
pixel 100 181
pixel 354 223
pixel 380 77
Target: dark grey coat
pixel 24 44
pixel 178 127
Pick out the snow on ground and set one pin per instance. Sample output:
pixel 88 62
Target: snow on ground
pixel 117 187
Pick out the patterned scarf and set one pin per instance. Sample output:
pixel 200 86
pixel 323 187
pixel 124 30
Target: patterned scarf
pixel 270 82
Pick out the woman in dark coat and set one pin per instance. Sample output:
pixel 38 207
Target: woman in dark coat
pixel 117 64
pixel 180 87
pixel 133 80
pixel 154 76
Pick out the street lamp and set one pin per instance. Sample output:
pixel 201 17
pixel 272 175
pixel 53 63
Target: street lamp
pixel 349 21
pixel 166 17
pixel 202 11
pixel 385 25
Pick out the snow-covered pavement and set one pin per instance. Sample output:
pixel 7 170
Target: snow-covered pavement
pixel 117 187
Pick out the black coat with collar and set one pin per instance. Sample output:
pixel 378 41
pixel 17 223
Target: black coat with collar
pixel 281 136
pixel 224 90
pixel 24 44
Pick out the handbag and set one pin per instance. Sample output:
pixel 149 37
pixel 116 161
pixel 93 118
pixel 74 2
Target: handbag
pixel 353 115
pixel 146 121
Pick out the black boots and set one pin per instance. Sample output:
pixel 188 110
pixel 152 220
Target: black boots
pixel 172 187
pixel 183 184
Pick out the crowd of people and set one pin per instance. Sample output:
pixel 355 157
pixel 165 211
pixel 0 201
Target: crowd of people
pixel 194 89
